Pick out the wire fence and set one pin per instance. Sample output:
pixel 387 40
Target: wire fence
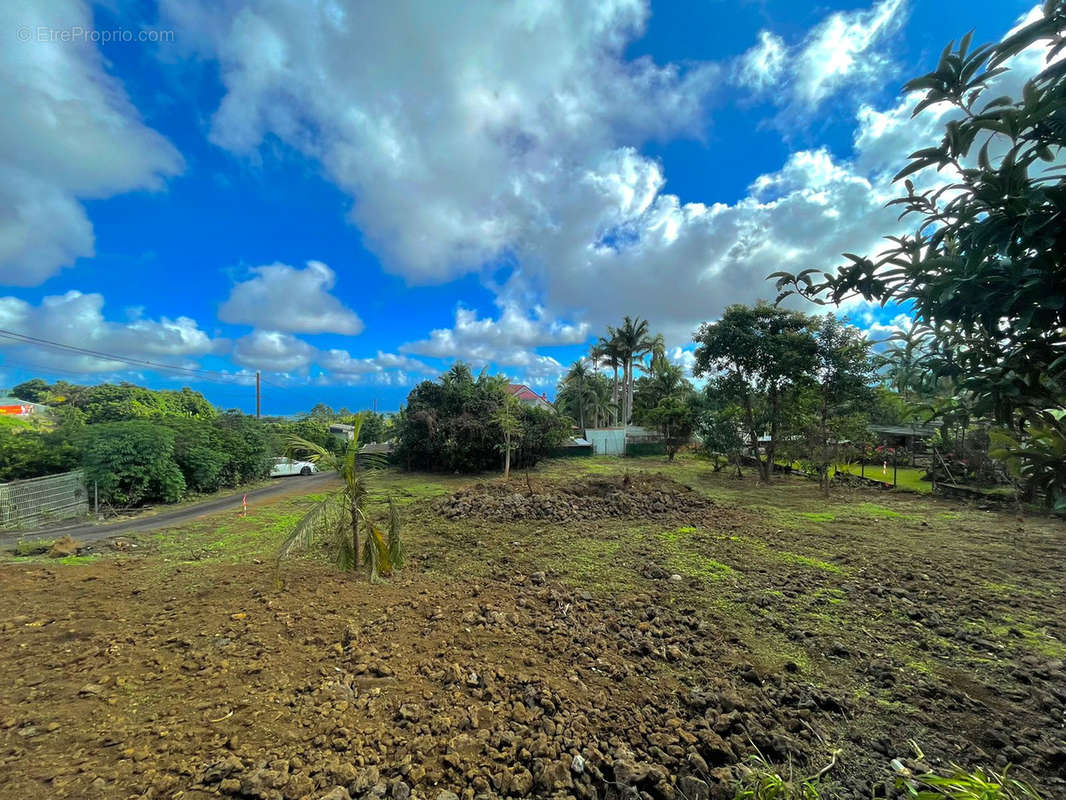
pixel 35 502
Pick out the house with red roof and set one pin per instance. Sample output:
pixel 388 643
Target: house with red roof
pixel 528 397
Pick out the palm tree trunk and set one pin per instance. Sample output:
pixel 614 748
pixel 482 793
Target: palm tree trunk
pixel 355 539
pixel 614 394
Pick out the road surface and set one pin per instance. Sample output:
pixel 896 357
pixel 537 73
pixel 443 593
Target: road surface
pixel 295 485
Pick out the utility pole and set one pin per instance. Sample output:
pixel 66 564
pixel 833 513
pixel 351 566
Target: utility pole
pixel 375 405
pixel 258 395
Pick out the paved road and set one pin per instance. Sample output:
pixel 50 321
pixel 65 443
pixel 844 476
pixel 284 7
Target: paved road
pixel 294 485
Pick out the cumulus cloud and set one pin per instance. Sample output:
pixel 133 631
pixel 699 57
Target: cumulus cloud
pixel 509 340
pixel 341 364
pixel 276 351
pixel 287 298
pixel 77 319
pixel 453 161
pixel 842 50
pixel 68 131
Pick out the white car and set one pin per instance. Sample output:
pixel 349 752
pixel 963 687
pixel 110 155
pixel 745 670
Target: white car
pixel 289 466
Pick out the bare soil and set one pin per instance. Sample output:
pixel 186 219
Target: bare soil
pixel 637 654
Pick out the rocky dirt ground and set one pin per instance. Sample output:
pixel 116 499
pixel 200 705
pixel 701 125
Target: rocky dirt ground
pixel 644 650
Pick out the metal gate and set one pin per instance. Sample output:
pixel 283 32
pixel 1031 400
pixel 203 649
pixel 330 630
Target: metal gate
pixel 37 501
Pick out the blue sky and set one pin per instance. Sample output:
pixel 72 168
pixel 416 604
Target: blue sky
pixel 351 197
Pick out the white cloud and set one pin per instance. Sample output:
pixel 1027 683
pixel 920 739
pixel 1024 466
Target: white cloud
pixel 763 66
pixel 273 351
pixel 68 131
pixel 286 298
pixel 342 365
pixel 453 160
pixel 276 351
pixel 842 50
pixel 77 319
pixel 509 340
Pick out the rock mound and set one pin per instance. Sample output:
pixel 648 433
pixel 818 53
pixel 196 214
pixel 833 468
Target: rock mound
pixel 593 498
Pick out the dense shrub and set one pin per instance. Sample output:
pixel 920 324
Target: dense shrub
pixel 28 450
pixel 132 462
pixel 450 426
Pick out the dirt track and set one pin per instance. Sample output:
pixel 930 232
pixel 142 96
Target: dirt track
pixel 280 487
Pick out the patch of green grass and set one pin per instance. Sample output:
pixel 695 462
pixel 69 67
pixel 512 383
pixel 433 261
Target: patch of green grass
pixel 807 561
pixel 907 478
pixel 592 564
pixel 1021 634
pixel 694 565
pixel 79 560
pixel 831 596
pixel 819 516
pixel 876 511
pixel 683 558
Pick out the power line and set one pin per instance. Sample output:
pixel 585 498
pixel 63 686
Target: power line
pixel 211 375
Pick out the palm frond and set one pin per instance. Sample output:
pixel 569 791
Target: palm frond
pixel 303 533
pixel 311 451
pixel 397 550
pixel 375 553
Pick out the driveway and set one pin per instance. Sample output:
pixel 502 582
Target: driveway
pixel 90 532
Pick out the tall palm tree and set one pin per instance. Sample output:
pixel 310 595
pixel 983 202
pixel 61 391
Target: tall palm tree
pixel 632 343
pixel 344 511
pixel 606 352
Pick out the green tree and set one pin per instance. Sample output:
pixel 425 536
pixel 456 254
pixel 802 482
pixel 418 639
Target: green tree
pixel 376 427
pixel 665 400
pixel 575 391
pixel 762 356
pixel 720 427
pixel 983 269
pixel 510 425
pixel 842 395
pixel 132 462
pixel 322 413
pixel 33 391
pixel 449 425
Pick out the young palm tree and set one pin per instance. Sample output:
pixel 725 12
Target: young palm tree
pixel 576 385
pixel 600 404
pixel 344 511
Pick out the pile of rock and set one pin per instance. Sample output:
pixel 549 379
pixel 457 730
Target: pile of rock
pixel 600 498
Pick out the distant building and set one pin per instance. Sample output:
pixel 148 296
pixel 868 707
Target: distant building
pixel 339 428
pixel 13 407
pixel 528 397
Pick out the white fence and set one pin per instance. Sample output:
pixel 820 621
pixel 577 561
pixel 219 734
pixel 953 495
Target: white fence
pixel 31 503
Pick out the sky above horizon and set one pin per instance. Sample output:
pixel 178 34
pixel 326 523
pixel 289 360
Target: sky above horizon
pixel 349 197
